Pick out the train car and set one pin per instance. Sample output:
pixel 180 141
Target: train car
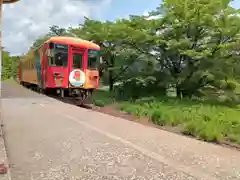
pixel 66 66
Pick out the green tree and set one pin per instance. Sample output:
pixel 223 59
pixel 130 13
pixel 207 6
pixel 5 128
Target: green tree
pixel 9 65
pixel 193 41
pixel 56 31
pixel 115 56
pixel 39 41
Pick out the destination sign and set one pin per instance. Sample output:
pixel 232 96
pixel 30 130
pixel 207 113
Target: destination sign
pixel 93 53
pixel 61 46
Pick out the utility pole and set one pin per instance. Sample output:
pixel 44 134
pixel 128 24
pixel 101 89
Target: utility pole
pixel 1 27
pixel 1 4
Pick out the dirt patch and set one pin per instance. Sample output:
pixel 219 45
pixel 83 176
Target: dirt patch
pixel 114 111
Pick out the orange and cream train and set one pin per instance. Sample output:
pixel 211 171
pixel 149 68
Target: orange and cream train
pixel 66 66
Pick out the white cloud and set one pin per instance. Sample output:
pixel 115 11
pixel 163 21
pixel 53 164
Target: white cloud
pixel 26 20
pixel 146 14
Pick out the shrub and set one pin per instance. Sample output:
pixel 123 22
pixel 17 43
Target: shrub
pixel 137 87
pixel 190 128
pixel 231 99
pixel 235 138
pixel 231 85
pixel 134 110
pixel 158 119
pixel 211 133
pixel 99 103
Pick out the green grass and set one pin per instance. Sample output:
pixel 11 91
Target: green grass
pixel 102 97
pixel 208 122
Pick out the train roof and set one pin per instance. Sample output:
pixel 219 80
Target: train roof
pixel 73 41
pixel 66 40
pixel 9 1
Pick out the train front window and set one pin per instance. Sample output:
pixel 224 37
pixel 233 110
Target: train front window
pixel 77 61
pixel 59 56
pixel 93 59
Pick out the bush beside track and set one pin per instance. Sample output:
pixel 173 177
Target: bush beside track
pixel 205 120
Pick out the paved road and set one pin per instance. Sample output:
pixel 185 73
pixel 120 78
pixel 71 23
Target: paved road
pixel 49 140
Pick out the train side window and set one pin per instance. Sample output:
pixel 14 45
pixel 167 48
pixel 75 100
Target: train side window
pixel 31 64
pixel 36 61
pixel 93 59
pixel 50 61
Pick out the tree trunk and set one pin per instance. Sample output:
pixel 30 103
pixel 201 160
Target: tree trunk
pixel 187 93
pixel 179 92
pixel 110 81
pixel 163 91
pixel 111 78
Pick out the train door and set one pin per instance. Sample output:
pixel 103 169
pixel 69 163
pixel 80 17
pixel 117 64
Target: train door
pixel 77 67
pixel 44 65
pixel 45 59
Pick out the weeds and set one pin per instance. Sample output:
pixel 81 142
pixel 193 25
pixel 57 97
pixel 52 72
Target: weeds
pixel 206 121
pixel 212 123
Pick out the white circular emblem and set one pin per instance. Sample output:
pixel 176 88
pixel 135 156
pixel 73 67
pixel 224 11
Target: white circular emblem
pixel 77 78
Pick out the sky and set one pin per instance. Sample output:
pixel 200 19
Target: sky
pixel 26 20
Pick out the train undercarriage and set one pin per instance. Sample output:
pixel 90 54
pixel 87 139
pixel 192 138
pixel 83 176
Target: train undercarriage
pixel 78 96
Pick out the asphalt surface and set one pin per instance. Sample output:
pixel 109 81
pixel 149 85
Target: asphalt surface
pixel 50 140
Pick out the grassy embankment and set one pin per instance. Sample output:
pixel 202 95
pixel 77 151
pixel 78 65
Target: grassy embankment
pixel 208 122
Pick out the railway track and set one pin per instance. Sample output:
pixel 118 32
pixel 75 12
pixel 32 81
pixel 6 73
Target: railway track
pixel 65 99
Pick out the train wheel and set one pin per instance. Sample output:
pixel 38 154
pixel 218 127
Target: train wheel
pixel 40 90
pixel 62 93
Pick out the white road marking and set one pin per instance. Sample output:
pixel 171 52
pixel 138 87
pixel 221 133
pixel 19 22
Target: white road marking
pixel 182 168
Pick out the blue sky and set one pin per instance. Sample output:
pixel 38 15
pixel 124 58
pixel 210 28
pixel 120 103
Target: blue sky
pixel 236 3
pixel 122 8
